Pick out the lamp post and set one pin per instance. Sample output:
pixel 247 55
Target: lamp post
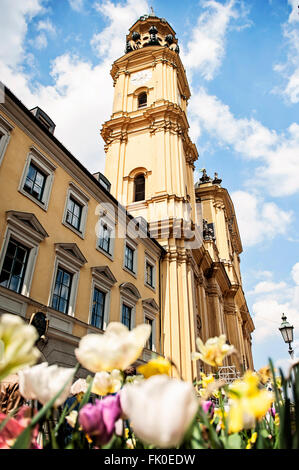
pixel 287 333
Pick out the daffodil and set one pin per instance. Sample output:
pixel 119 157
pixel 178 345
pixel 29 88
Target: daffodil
pixel 213 351
pixel 251 440
pixel 157 366
pixel 105 383
pixel 220 415
pixel 248 403
pixel 265 374
pixel 17 340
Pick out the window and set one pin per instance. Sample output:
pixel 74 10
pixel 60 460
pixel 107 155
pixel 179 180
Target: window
pixel 129 296
pixel 19 251
pixel 149 343
pixel 5 129
pixel 151 311
pixel 74 213
pixel 98 308
pixel 129 258
pixel 102 282
pixel 139 188
pixel 14 266
pixel 37 178
pixel 35 182
pixel 104 238
pixel 126 315
pixel 69 260
pixel 149 270
pixel 62 290
pixel 142 100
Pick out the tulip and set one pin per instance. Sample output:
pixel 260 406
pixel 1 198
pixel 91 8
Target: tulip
pixel 43 382
pixel 155 366
pixel 208 406
pixel 15 426
pixel 213 351
pixel 117 348
pixel 98 420
pixel 80 386
pixel 105 383
pixel 160 409
pixel 71 419
pixel 17 340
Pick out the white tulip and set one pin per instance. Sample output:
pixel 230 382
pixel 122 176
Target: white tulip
pixel 160 409
pixel 43 382
pixel 105 383
pixel 80 386
pixel 117 348
pixel 17 340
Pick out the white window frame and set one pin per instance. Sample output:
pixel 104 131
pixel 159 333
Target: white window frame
pixel 134 247
pixel 70 264
pixel 129 299
pixel 5 129
pixel 81 198
pixel 111 226
pixel 104 284
pixel 46 167
pixel 150 260
pixel 27 237
pixel 150 313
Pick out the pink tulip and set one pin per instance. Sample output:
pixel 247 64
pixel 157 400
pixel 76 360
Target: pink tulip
pixel 15 426
pixel 208 406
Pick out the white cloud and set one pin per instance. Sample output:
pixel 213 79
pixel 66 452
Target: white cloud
pixel 13 28
pixel 272 299
pixel 206 47
pixel 40 42
pixel 290 69
pixel 80 100
pixel 76 5
pixel 266 287
pixel 259 220
pixel 295 273
pixel 278 152
pixel 110 42
pixel 46 25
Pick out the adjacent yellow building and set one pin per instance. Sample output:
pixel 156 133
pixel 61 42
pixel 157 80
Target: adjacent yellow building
pixel 139 244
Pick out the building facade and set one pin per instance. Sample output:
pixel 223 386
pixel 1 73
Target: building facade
pixel 141 243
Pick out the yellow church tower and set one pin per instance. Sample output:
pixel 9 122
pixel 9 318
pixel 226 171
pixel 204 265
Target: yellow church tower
pixel 150 163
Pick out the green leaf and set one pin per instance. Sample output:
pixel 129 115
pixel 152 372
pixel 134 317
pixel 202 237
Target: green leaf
pixel 234 441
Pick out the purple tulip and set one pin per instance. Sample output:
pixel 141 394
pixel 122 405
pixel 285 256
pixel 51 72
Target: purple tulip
pixel 208 406
pixel 273 411
pixel 98 420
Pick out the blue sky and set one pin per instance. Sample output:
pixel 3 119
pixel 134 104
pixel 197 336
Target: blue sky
pixel 242 62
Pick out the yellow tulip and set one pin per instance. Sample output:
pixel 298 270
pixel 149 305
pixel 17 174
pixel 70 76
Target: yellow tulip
pixel 157 366
pixel 213 351
pixel 105 383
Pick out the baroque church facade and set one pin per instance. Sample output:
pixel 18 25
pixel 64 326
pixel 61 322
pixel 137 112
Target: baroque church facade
pixel 141 243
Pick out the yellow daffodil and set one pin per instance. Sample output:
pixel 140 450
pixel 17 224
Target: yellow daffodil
pixel 206 379
pixel 157 366
pixel 213 351
pixel 265 374
pixel 221 415
pixel 251 440
pixel 248 403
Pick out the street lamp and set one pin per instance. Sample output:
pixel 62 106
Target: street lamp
pixel 287 333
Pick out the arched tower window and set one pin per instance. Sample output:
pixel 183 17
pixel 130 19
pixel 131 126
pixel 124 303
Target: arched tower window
pixel 139 188
pixel 142 100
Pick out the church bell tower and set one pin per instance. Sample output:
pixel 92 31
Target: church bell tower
pixel 150 162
